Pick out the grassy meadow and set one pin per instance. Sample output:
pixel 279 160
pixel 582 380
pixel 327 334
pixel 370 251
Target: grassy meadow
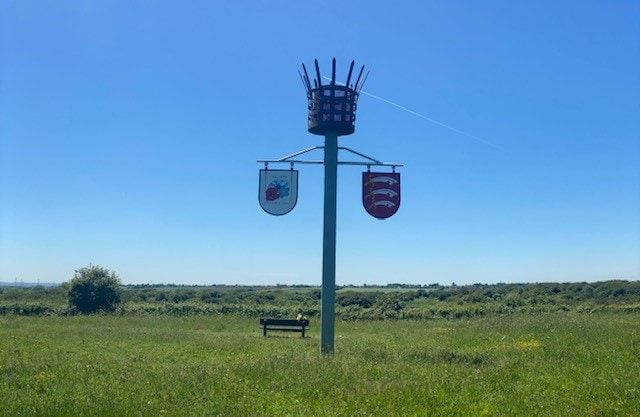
pixel 547 364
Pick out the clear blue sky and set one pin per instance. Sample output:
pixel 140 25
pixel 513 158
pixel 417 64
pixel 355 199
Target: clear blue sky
pixel 129 132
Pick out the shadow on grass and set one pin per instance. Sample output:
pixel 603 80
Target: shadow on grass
pixel 432 357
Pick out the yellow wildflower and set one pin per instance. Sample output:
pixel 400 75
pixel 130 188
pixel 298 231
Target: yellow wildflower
pixel 528 344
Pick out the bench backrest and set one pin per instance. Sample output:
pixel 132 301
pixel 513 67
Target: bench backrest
pixel 284 322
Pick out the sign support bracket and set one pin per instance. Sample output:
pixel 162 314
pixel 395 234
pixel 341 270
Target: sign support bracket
pixel 290 159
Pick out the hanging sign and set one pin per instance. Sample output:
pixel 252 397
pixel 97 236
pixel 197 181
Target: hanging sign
pixel 381 193
pixel 278 190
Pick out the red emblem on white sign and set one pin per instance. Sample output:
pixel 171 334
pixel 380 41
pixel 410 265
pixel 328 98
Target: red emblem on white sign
pixel 381 193
pixel 278 190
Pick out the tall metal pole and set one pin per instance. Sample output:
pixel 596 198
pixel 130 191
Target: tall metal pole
pixel 328 294
pixel 332 113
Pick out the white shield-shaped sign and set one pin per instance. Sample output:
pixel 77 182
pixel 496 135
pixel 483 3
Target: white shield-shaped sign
pixel 381 193
pixel 278 190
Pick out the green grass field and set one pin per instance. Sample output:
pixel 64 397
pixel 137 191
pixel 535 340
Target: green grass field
pixel 548 364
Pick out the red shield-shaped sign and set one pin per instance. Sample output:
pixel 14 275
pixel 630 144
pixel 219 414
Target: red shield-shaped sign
pixel 381 193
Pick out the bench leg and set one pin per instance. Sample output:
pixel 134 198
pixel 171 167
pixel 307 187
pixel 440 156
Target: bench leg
pixel 264 330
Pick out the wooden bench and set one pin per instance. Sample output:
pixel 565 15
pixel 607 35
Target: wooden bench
pixel 284 325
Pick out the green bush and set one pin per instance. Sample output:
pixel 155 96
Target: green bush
pixel 362 299
pixel 94 289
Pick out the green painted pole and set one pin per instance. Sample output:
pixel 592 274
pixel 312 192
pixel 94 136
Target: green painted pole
pixel 328 294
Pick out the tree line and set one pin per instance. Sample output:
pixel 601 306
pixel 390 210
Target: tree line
pixel 98 290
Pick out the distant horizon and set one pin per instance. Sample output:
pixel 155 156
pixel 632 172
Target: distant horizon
pixel 25 284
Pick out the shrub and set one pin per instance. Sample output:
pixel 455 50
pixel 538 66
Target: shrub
pixel 349 298
pixel 94 289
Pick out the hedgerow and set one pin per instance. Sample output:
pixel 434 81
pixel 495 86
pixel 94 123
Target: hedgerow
pixel 352 303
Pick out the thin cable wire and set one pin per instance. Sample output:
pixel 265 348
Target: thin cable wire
pixel 415 113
